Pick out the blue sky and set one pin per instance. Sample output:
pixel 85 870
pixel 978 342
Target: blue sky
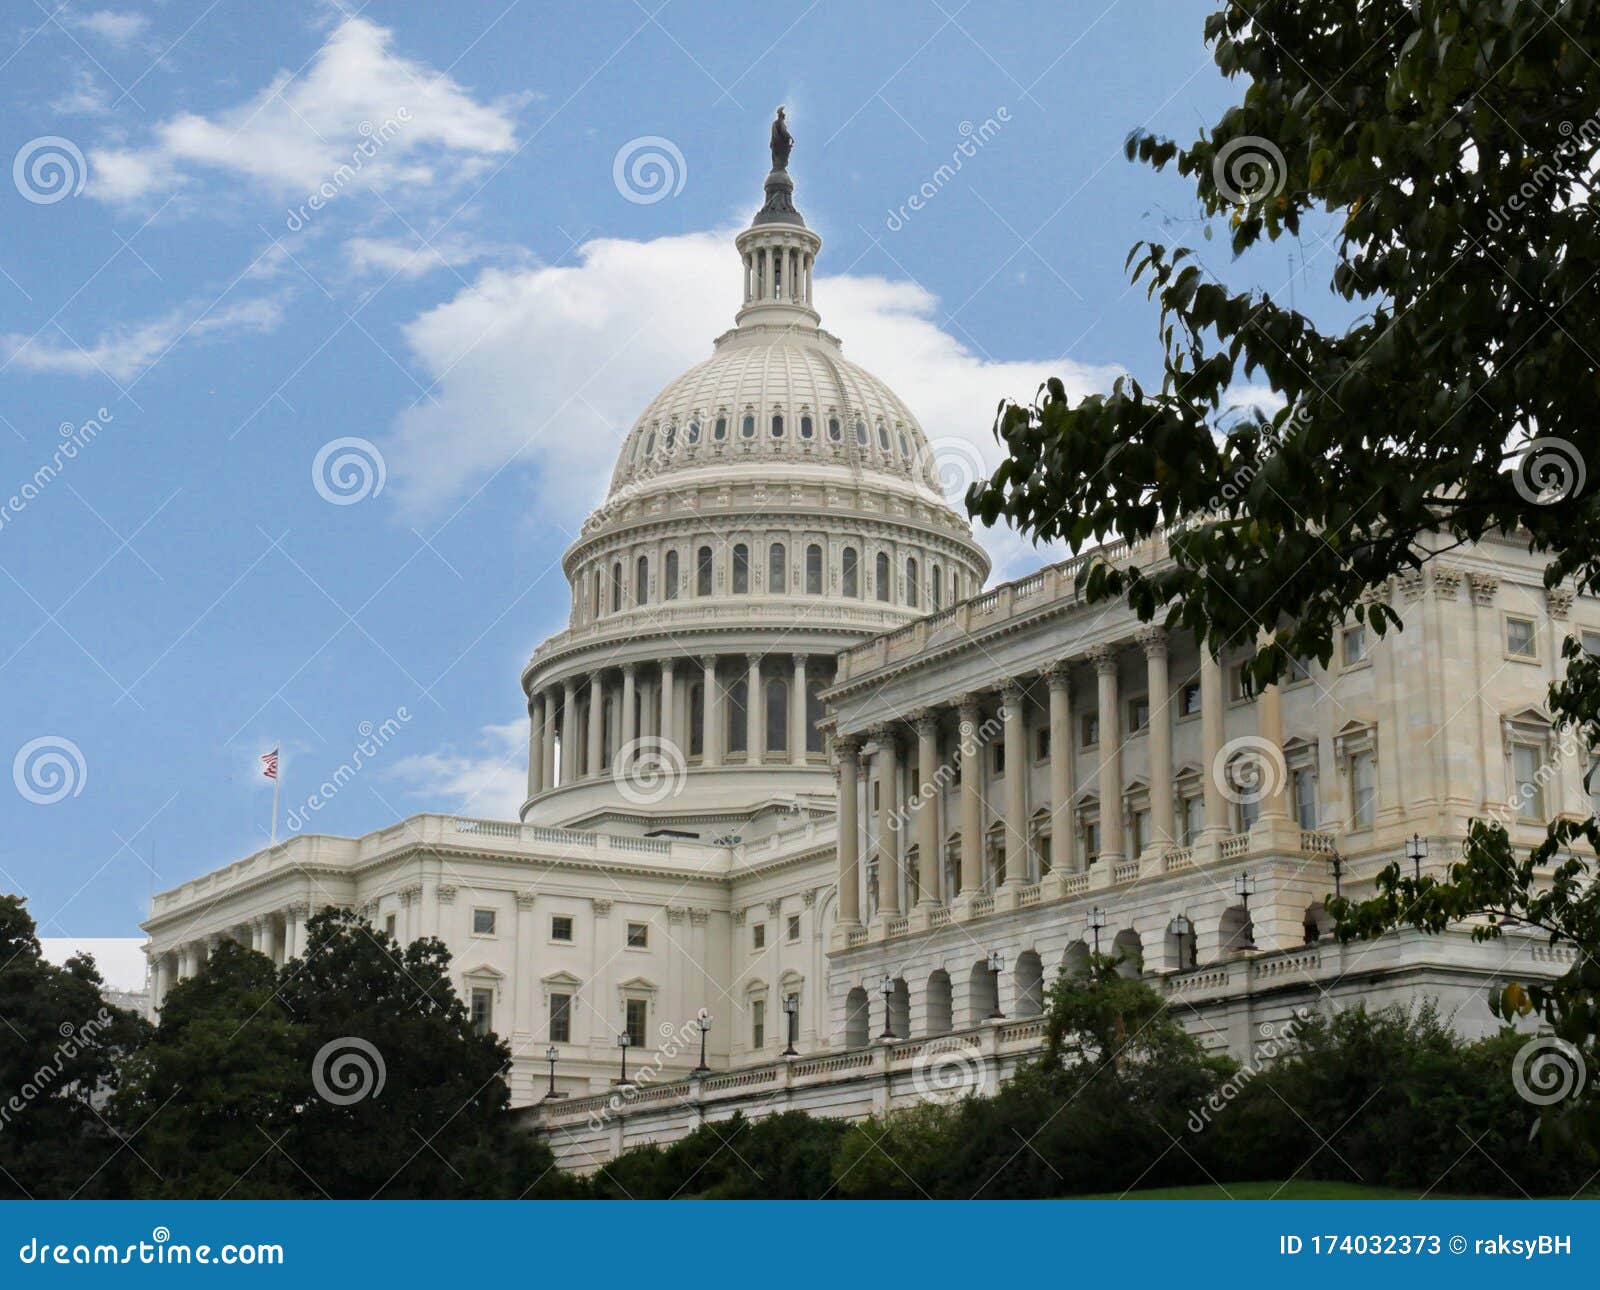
pixel 482 301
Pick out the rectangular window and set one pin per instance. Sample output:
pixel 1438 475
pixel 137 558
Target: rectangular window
pixel 1305 797
pixel 999 756
pixel 1591 643
pixel 1354 645
pixel 1140 826
pixel 794 927
pixel 1194 819
pixel 1089 729
pixel 1138 713
pixel 483 922
pixel 1041 744
pixel 1241 685
pixel 1249 813
pixel 560 1018
pixel 1091 841
pixel 1189 699
pixel 758 1023
pixel 638 1013
pixel 1041 848
pixel 560 927
pixel 1363 790
pixel 638 936
pixel 1526 767
pixel 758 936
pixel 482 1011
pixel 388 924
pixel 1519 637
pixel 1299 670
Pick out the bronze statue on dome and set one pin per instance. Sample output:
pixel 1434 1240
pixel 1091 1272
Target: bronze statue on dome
pixel 782 142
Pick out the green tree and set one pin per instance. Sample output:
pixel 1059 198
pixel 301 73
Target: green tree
pixel 59 1048
pixel 779 1157
pixel 1446 148
pixel 353 1071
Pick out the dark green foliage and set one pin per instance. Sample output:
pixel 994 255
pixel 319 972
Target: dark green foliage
pixel 59 1049
pixel 779 1157
pixel 265 1083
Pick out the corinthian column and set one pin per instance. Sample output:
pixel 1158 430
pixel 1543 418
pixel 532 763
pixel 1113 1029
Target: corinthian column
pixel 1062 857
pixel 849 752
pixel 1211 730
pixel 570 751
pixel 711 718
pixel 1105 666
pixel 1154 641
pixel 1016 785
pixel 927 810
pixel 630 730
pixel 597 714
pixel 799 734
pixel 755 713
pixel 971 796
pixel 888 823
pixel 535 744
pixel 669 728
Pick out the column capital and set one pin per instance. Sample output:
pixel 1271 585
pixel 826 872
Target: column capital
pixel 527 899
pixel 886 736
pixel 754 659
pixel 708 661
pixel 848 747
pixel 1058 675
pixel 799 659
pixel 629 669
pixel 1104 658
pixel 969 704
pixel 1011 689
pixel 1154 640
pixel 667 665
pixel 301 908
pixel 926 721
pixel 446 893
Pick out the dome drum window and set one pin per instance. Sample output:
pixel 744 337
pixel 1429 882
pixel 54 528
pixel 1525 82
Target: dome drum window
pixel 747 427
pixel 720 430
pixel 694 432
pixel 861 432
pixel 777 425
pixel 807 430
pixel 835 430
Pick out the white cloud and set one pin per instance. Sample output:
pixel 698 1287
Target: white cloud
pixel 359 115
pixel 410 259
pixel 86 96
pixel 113 26
pixel 491 781
pixel 545 368
pixel 124 352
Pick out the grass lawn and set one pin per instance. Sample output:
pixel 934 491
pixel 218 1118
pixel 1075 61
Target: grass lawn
pixel 1296 1189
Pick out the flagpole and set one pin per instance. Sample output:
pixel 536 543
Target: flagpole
pixel 276 780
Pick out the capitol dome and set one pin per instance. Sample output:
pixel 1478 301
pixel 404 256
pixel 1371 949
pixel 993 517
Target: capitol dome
pixel 771 506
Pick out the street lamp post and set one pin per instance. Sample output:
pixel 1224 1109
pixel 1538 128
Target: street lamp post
pixel 1417 852
pixel 550 1055
pixel 1245 887
pixel 997 965
pixel 1097 920
pixel 1181 927
pixel 886 989
pixel 623 1042
pixel 703 1020
pixel 791 1005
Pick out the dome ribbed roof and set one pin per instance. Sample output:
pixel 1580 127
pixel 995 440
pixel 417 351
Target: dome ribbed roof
pixel 789 395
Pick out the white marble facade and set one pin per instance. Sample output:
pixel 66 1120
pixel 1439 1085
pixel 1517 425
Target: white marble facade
pixel 788 748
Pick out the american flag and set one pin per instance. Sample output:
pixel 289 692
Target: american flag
pixel 269 764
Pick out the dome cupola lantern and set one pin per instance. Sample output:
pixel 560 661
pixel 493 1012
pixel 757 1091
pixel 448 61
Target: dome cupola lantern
pixel 778 251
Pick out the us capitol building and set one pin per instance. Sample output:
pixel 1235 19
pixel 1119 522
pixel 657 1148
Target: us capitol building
pixel 795 774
